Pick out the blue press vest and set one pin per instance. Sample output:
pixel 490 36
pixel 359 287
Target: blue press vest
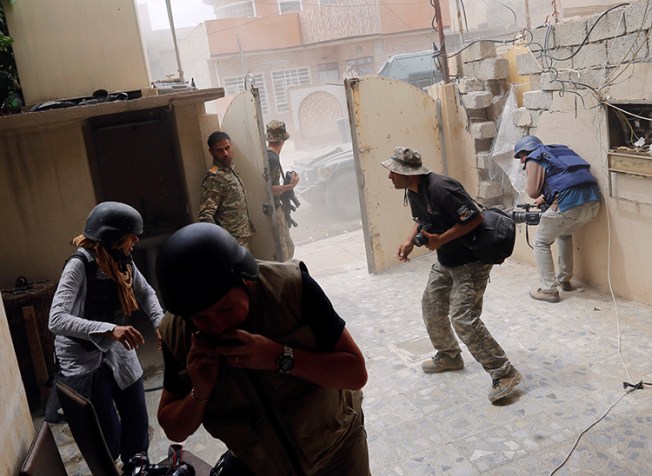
pixel 565 169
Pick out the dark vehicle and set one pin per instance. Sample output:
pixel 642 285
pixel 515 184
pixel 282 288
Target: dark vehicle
pixel 329 181
pixel 419 68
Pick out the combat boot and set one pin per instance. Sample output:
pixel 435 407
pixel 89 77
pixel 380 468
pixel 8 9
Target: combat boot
pixel 442 363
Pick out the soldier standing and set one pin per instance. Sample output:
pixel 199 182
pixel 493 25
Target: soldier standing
pixel 276 135
pixel 223 199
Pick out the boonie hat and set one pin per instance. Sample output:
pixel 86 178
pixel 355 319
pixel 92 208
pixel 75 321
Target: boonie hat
pixel 405 161
pixel 276 132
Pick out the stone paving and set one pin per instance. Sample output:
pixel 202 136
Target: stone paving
pixel 571 406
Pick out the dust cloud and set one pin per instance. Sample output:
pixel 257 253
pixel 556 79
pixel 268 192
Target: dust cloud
pixel 315 219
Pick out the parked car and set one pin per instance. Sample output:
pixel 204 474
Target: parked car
pixel 419 68
pixel 329 181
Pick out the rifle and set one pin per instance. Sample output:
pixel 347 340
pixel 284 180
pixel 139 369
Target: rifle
pixel 289 201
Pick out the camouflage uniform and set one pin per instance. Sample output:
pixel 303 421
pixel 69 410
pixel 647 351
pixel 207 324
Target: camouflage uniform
pixel 224 202
pixel 453 296
pixel 460 291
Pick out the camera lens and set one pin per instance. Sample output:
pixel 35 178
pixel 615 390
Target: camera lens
pixel 420 240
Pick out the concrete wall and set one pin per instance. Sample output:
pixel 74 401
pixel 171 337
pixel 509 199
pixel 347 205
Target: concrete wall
pixel 15 420
pixel 248 34
pixel 46 177
pixel 569 86
pixel 72 48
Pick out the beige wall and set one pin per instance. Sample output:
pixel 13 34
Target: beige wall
pixel 614 248
pixel 71 48
pixel 16 425
pixel 401 15
pixel 46 189
pixel 231 35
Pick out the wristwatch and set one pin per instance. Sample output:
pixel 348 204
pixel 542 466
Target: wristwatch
pixel 285 361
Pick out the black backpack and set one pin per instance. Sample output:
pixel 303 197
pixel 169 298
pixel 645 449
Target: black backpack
pixel 493 241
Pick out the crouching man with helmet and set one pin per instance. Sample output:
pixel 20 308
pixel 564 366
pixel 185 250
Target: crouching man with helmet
pixel 557 177
pixel 256 353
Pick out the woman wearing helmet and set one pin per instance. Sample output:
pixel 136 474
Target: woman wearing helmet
pixel 99 289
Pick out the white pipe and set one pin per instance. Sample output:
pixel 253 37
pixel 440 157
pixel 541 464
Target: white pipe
pixel 174 40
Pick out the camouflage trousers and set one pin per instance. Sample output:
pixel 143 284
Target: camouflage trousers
pixel 287 245
pixel 451 301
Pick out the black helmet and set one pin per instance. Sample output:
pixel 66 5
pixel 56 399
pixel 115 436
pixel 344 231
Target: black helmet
pixel 526 144
pixel 109 222
pixel 198 265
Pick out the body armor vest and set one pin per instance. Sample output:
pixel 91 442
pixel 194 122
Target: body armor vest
pixel 102 300
pixel 275 424
pixel 565 169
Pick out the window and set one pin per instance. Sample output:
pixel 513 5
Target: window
pixel 236 10
pixel 328 73
pixel 629 161
pixel 235 85
pixel 282 80
pixel 360 66
pixel 286 6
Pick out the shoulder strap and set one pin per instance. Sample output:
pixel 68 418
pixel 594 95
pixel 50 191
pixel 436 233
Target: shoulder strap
pixel 89 266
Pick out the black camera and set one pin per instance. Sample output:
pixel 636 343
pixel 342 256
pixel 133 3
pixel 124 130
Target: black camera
pixel 139 465
pixel 527 217
pixel 420 239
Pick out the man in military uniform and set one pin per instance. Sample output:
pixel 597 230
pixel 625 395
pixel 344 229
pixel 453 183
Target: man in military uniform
pixel 223 199
pixel 453 296
pixel 276 135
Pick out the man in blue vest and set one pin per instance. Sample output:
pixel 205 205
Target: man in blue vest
pixel 560 179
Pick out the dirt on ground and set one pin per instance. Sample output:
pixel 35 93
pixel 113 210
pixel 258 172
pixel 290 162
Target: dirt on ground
pixel 315 223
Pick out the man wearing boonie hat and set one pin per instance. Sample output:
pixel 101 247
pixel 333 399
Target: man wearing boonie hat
pixel 453 296
pixel 276 135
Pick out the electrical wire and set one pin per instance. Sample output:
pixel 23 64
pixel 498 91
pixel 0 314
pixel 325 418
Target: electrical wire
pixel 647 10
pixel 586 37
pixel 628 386
pixel 587 429
pixel 491 40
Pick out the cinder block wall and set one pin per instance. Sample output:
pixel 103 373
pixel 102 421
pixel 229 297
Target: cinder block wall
pixel 574 69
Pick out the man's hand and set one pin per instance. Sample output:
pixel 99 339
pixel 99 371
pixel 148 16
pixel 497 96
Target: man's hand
pixel 249 351
pixel 404 251
pixel 540 201
pixel 203 365
pixel 128 336
pixel 294 180
pixel 434 241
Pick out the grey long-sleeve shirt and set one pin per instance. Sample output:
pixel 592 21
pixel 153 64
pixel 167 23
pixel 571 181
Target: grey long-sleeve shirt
pixel 67 320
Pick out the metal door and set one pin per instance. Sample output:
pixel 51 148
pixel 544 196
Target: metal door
pixel 243 121
pixel 386 113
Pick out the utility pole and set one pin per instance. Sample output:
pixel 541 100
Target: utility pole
pixel 528 22
pixel 443 57
pixel 174 40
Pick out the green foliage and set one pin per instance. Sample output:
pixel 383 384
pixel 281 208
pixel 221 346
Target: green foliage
pixel 10 96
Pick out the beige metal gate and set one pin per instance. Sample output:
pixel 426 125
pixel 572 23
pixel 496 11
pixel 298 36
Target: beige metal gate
pixel 386 113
